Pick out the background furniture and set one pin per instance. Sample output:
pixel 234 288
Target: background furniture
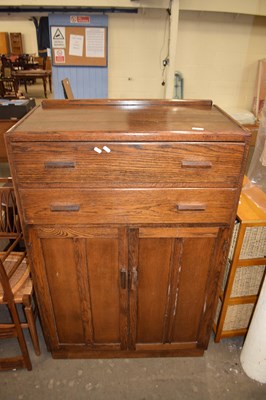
pixel 67 89
pixel 6 67
pixel 16 43
pixel 127 206
pixel 11 110
pixel 244 273
pixel 4 43
pixel 15 282
pixel 25 75
pixel 9 88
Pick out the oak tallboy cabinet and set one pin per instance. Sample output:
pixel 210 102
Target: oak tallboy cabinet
pixel 127 208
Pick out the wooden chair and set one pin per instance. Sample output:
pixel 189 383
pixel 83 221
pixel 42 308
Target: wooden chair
pixel 9 88
pixel 67 89
pixel 15 283
pixel 6 67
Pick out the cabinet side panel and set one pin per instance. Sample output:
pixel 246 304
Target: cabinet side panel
pixel 195 263
pixel 154 264
pixel 102 256
pixel 61 274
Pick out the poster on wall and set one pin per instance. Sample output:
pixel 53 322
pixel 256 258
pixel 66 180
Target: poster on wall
pixel 59 55
pixel 76 45
pixel 58 37
pixel 82 46
pixel 95 42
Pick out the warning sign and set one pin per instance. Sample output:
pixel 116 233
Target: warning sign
pixel 79 19
pixel 58 37
pixel 59 56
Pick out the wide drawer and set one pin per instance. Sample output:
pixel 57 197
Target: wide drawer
pixel 65 206
pixel 103 165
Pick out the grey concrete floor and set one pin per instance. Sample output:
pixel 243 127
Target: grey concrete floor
pixel 215 376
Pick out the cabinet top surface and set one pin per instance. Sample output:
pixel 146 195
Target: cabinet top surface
pixel 127 119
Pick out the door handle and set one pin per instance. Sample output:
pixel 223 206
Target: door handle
pixel 196 164
pixel 190 207
pixel 64 207
pixel 123 278
pixel 59 164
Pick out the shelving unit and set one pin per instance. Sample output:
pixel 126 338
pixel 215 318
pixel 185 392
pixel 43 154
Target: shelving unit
pixel 244 272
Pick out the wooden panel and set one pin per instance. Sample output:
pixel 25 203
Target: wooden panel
pixel 127 165
pixel 128 120
pixel 83 277
pixel 195 262
pixel 4 43
pixel 104 293
pixel 153 278
pixel 16 43
pixel 66 206
pixel 64 290
pixel 170 307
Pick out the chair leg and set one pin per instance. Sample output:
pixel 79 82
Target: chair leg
pixel 26 363
pixel 32 327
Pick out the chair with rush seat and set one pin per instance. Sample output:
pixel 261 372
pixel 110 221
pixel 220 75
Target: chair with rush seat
pixel 15 283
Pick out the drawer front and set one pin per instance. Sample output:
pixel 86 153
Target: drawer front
pixel 102 165
pixel 123 206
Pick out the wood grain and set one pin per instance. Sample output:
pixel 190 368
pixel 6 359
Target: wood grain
pixel 157 204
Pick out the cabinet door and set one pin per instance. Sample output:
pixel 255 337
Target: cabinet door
pixel 174 274
pixel 81 281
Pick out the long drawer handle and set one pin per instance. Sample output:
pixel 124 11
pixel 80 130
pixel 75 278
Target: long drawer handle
pixel 59 164
pixel 196 164
pixel 64 207
pixel 123 278
pixel 190 207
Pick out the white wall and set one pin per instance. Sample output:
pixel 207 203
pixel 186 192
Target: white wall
pixel 218 55
pixel 137 46
pixel 26 28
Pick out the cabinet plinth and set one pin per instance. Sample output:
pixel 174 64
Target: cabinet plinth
pixel 127 210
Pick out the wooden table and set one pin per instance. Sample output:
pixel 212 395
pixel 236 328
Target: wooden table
pixel 34 74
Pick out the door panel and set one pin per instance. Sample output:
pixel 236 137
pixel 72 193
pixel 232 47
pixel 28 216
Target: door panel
pixel 173 273
pixel 64 289
pixel 153 278
pixel 82 269
pixel 195 263
pixel 104 294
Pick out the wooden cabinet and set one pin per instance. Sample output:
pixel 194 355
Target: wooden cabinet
pixel 4 126
pixel 4 43
pixel 127 211
pixel 16 43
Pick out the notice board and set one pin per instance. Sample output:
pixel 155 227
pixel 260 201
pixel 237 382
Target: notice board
pixel 79 46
